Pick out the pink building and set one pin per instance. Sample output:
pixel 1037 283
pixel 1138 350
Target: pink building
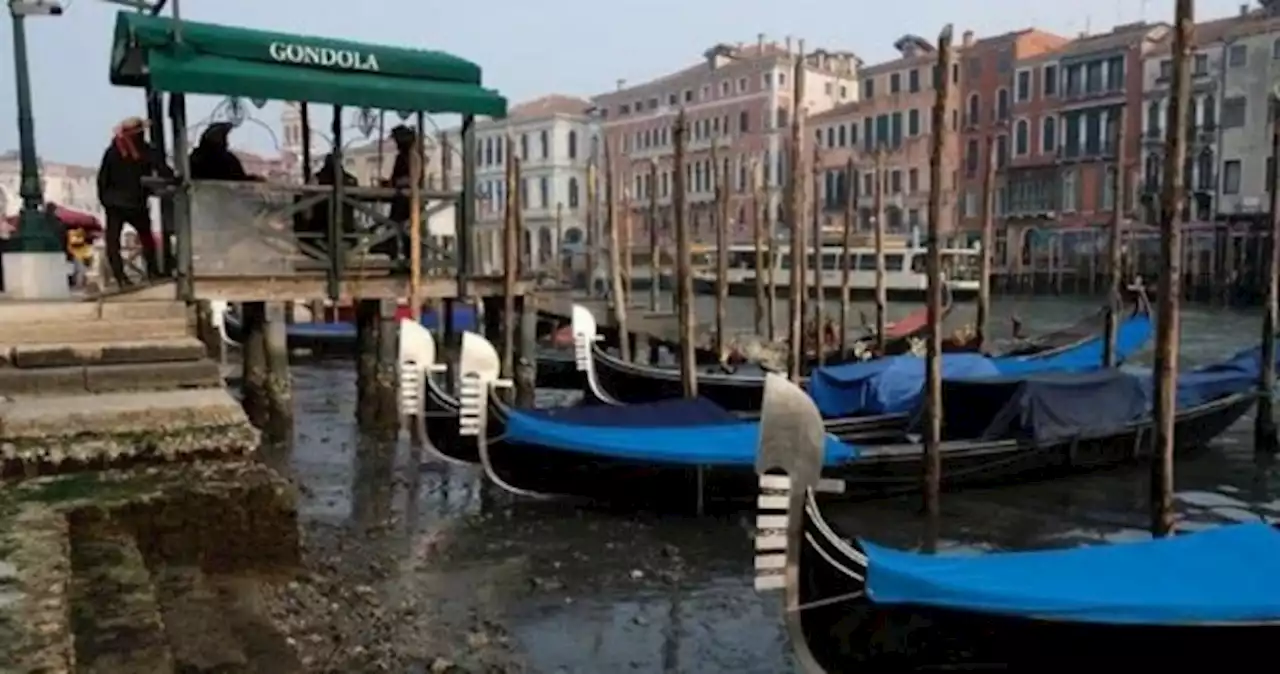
pixel 737 98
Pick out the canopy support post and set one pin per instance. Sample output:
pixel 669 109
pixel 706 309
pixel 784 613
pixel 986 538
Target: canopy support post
pixel 304 111
pixel 336 225
pixel 181 196
pixel 466 209
pixel 155 133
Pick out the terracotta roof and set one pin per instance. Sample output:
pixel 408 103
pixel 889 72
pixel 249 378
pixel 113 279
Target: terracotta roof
pixel 1119 37
pixel 546 106
pixel 1229 28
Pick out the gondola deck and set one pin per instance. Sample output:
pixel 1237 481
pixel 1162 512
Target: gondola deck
pixel 852 606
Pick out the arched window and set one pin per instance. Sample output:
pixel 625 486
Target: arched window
pixel 1022 138
pixel 974 110
pixel 542 140
pixel 1002 105
pixel 1049 134
pixel 573 144
pixel 573 192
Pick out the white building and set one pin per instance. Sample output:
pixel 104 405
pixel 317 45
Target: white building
pixel 554 137
pixel 69 185
pixel 1235 71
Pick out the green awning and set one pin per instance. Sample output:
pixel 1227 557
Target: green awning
pixel 232 61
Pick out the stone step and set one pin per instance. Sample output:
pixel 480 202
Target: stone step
pixel 124 352
pixel 77 379
pixel 103 330
pixel 47 434
pixel 79 312
pixel 115 613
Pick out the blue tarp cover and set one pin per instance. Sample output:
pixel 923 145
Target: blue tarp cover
pixel 895 385
pixel 1226 575
pixel 659 432
pixel 1043 406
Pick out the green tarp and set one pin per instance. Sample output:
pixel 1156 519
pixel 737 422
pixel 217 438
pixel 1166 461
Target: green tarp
pixel 232 61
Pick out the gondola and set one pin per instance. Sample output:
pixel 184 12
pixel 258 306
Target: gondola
pixel 854 606
pixel 999 429
pixel 612 379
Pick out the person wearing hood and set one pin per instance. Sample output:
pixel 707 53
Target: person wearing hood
pixel 401 211
pixel 127 160
pixel 213 159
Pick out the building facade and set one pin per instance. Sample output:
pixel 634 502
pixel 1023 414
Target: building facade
pixel 1235 71
pixel 69 185
pixel 892 118
pixel 737 99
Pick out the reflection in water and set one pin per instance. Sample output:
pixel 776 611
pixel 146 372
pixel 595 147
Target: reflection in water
pixel 584 591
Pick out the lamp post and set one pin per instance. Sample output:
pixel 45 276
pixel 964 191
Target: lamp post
pixel 35 265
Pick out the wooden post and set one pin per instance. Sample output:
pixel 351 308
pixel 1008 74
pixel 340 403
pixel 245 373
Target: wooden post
pixel 254 359
pixel 684 275
pixel 655 250
pixel 933 366
pixel 1115 247
pixel 510 263
pixel 1168 321
pixel 846 246
pixel 795 186
pixel 882 291
pixel 721 220
pixel 415 221
pixel 593 217
pixel 819 268
pixel 279 381
pixel 757 239
pixel 1264 428
pixel 619 293
pixel 988 243
pixel 628 283
pixel 376 366
pixel 771 298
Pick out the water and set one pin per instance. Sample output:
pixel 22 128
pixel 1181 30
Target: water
pixel 559 589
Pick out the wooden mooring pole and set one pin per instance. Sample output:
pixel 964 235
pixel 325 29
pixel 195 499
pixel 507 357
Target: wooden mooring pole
pixel 846 246
pixel 795 216
pixel 415 219
pixel 266 384
pixel 757 240
pixel 684 275
pixel 1115 248
pixel 771 221
pixel 819 297
pixel 1264 422
pixel 510 263
pixel 376 410
pixel 988 243
pixel 882 291
pixel 613 222
pixel 933 366
pixel 1168 320
pixel 589 239
pixel 655 248
pixel 721 220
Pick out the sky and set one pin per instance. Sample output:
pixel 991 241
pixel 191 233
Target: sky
pixel 526 49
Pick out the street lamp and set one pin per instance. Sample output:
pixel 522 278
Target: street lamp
pixel 35 266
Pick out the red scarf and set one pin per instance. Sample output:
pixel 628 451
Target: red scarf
pixel 126 144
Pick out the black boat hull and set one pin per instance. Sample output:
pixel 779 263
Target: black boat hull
pixel 882 470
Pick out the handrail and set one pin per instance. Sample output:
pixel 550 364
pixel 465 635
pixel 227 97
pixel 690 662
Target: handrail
pixel 292 188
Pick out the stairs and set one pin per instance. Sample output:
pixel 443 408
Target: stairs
pixel 88 384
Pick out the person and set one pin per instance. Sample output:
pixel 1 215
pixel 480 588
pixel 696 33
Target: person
pixel 316 228
pixel 126 161
pixel 401 211
pixel 213 159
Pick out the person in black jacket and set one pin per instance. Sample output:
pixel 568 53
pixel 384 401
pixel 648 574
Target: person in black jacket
pixel 401 176
pixel 317 226
pixel 213 159
pixel 126 161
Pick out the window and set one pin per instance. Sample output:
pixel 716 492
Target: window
pixel 744 121
pixel 913 122
pixel 673 100
pixel 1022 138
pixel 869 88
pixel 1231 177
pixel 1233 112
pixel 1049 80
pixel 724 88
pixel 546 147
pixel 1201 66
pixel 1153 119
pixel 688 95
pixel 524 147
pixel 895 83
pixel 853 134
pixel 573 144
pixel 971 158
pixel 1023 86
pixel 1275 49
pixel 1166 69
pixel 831 136
pixel 1002 151
pixel 742 85
pixel 895 181
pixel 1115 73
pixel 1210 108
pixel 1237 56
pixel 842 138
pixel 913 180
pixel 1002 105
pixel 1069 190
pixel 1049 134
pixel 544 192
pixel 974 111
pixel 913 80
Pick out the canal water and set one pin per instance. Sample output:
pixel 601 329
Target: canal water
pixel 478 581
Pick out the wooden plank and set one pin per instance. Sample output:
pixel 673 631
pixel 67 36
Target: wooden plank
pixel 301 288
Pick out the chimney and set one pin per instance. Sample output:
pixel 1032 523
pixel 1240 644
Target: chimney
pixel 760 44
pixel 622 84
pixel 1244 10
pixel 966 40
